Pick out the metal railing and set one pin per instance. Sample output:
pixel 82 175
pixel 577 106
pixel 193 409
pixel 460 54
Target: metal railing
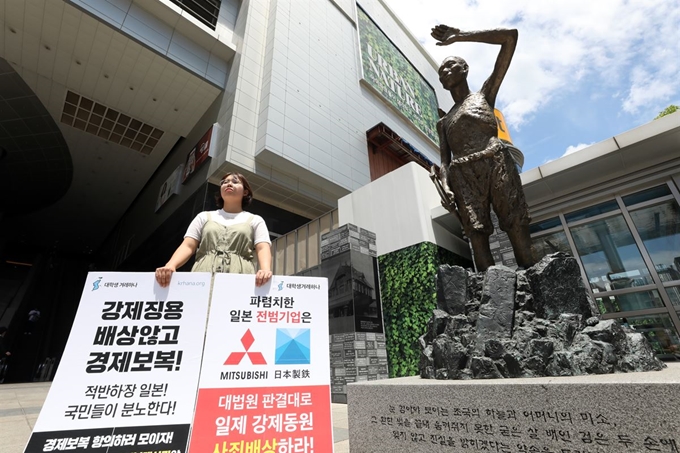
pixel 46 370
pixel 206 11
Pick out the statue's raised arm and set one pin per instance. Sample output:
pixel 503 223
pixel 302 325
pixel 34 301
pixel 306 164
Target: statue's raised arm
pixel 507 38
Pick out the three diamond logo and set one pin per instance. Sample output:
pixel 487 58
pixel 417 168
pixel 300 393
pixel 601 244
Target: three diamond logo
pixel 256 358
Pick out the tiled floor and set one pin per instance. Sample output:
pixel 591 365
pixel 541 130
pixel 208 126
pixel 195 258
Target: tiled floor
pixel 21 403
pixel 19 408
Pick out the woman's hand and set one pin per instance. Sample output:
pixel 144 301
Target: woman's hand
pixel 262 277
pixel 163 275
pixel 445 34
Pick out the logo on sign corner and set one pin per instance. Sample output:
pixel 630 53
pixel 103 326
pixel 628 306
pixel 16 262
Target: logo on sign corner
pixel 95 284
pixel 281 285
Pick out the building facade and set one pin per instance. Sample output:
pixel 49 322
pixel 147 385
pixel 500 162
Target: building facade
pixel 133 110
pixel 615 207
pixel 118 118
pixel 133 86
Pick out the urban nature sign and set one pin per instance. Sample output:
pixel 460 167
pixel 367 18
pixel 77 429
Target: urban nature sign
pixel 394 78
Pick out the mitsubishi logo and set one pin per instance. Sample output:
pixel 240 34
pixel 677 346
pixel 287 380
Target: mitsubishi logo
pixel 256 358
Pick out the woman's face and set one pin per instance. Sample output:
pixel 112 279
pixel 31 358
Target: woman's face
pixel 232 186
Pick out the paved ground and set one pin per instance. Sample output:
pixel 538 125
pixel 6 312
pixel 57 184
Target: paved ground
pixel 20 405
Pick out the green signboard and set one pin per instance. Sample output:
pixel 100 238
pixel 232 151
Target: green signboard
pixel 388 71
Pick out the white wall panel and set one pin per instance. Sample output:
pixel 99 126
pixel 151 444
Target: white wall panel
pixel 322 81
pixel 376 208
pixel 163 27
pixel 115 11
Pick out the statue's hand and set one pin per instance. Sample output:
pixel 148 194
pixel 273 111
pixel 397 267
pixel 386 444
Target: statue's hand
pixel 448 202
pixel 445 34
pixel 444 176
pixel 449 194
pixel 444 181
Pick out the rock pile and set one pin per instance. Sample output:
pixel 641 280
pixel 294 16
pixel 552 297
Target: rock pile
pixel 535 322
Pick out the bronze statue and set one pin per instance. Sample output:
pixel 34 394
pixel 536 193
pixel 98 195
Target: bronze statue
pixel 477 170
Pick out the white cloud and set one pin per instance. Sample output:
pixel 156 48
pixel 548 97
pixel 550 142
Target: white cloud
pixel 572 149
pixel 647 88
pixel 565 46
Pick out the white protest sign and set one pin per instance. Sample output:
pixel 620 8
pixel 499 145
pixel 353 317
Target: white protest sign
pixel 265 378
pixel 128 377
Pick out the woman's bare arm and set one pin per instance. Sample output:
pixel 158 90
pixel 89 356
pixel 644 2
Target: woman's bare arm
pixel 185 251
pixel 264 260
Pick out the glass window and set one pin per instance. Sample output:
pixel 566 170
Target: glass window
pixel 545 225
pixel 645 195
pixel 280 255
pixel 324 224
pixel 628 302
pixel 336 219
pixel 659 331
pixel 302 249
pixel 313 244
pixel 609 255
pixel 592 211
pixel 674 295
pixel 659 228
pixel 550 243
pixel 290 253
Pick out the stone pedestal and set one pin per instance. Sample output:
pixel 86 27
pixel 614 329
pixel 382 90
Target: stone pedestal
pixel 533 322
pixel 634 412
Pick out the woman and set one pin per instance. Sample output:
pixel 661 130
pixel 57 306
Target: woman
pixel 226 240
pixel 477 170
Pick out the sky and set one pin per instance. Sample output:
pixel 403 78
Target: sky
pixel 583 71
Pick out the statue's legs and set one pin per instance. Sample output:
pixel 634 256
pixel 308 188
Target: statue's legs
pixel 481 250
pixel 507 198
pixel 469 181
pixel 521 245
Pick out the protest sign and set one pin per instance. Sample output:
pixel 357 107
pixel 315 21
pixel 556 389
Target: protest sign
pixel 265 379
pixel 129 373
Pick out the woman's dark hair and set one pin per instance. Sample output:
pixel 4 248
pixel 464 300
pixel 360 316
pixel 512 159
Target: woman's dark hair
pixel 248 192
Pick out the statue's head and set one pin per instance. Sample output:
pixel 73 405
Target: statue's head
pixel 452 72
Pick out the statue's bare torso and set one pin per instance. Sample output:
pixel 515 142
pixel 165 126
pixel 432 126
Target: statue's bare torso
pixel 470 126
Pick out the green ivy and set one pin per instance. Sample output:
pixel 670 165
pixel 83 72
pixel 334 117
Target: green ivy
pixel 408 293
